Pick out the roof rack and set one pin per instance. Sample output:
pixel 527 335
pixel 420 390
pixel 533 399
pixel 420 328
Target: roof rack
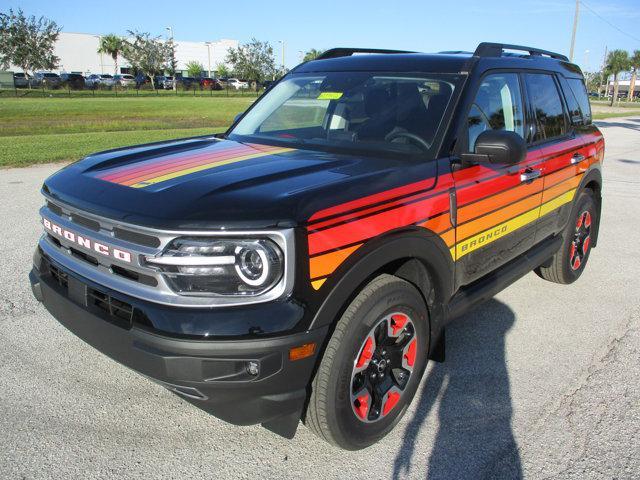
pixel 347 52
pixel 487 49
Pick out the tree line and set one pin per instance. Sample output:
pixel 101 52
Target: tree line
pixel 28 43
pixel 618 62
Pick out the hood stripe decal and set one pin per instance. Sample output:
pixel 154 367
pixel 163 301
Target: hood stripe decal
pixel 199 168
pixel 143 174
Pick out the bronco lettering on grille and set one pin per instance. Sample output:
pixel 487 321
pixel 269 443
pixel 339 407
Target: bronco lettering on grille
pixel 85 242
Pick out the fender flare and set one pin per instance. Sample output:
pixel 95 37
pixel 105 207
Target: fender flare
pixel 415 243
pixel 594 175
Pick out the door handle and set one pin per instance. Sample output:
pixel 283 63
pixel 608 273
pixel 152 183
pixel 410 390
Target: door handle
pixel 530 175
pixel 577 158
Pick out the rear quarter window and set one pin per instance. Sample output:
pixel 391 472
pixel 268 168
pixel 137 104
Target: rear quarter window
pixel 580 94
pixel 550 121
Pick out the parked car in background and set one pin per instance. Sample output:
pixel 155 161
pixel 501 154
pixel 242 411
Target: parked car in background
pixel 186 82
pixel 72 80
pixel 237 84
pixel 142 80
pixel 97 80
pixel 124 80
pixel 210 83
pixel 21 80
pixel 46 80
pixel 163 81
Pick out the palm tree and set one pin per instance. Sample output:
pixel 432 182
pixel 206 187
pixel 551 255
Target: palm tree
pixel 635 66
pixel 111 45
pixel 617 61
pixel 311 55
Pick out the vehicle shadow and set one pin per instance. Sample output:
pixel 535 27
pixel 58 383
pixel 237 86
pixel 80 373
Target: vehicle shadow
pixel 628 125
pixel 474 438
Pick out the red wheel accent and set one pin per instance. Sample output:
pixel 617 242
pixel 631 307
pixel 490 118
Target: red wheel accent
pixel 572 251
pixel 585 245
pixel 587 219
pixel 366 354
pixel 398 322
pixel 576 263
pixel 383 367
pixel 410 355
pixel 579 222
pixel 392 400
pixel 362 406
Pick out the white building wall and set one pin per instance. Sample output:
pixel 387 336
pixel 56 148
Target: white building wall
pixel 78 52
pixel 207 55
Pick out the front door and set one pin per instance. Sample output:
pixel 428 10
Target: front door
pixel 497 205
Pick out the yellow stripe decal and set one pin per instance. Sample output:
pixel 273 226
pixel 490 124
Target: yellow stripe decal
pixel 199 168
pixel 495 232
pixel 557 202
pixel 498 231
pixel 318 283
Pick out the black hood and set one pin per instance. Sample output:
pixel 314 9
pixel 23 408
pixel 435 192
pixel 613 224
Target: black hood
pixel 211 183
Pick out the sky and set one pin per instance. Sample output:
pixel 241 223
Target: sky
pixel 425 25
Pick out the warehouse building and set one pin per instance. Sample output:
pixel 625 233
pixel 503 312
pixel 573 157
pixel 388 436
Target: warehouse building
pixel 78 53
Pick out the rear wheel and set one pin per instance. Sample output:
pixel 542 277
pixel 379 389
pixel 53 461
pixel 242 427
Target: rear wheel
pixel 372 365
pixel 569 262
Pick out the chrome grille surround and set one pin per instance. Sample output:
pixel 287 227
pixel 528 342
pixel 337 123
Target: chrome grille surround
pixel 103 273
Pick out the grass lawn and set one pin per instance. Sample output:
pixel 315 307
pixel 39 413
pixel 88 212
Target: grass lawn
pixel 43 130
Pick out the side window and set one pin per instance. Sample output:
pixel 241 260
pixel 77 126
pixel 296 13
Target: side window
pixel 580 92
pixel 497 106
pixel 575 113
pixel 547 106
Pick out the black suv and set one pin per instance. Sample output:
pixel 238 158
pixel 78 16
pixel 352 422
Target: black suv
pixel 72 80
pixel 304 265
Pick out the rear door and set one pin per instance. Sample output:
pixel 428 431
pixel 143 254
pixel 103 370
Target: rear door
pixel 497 205
pixel 556 126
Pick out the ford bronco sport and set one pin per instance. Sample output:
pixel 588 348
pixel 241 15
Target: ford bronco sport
pixel 304 264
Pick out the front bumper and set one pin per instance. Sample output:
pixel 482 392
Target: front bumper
pixel 211 374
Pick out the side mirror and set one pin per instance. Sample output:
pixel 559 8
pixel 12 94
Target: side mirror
pixel 498 147
pixel 238 117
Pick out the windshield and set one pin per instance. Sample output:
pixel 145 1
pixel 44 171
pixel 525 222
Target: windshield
pixel 383 112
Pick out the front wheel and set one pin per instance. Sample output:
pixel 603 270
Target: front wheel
pixel 372 365
pixel 569 262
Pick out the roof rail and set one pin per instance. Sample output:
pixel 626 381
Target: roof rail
pixel 347 52
pixel 487 49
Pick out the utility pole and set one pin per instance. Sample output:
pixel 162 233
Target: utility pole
pixel 575 27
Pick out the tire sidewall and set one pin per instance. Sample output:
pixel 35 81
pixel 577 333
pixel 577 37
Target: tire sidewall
pixel 398 296
pixel 585 203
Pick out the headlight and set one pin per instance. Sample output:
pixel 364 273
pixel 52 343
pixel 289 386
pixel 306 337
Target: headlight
pixel 221 266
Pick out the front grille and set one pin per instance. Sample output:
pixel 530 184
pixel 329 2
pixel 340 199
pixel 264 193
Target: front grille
pixel 60 277
pixel 135 237
pixel 114 307
pixel 86 222
pixel 116 311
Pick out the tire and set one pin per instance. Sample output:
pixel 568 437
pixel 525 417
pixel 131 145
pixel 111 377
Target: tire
pixel 570 260
pixel 332 413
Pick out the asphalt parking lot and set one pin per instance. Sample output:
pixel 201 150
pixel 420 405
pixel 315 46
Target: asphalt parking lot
pixel 541 382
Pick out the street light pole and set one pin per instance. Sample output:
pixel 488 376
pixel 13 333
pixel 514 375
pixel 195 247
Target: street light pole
pixel 208 44
pixel 283 67
pixel 100 50
pixel 170 30
pixel 575 27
